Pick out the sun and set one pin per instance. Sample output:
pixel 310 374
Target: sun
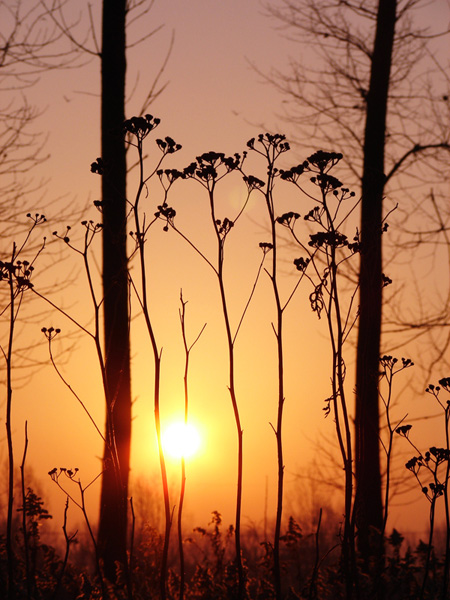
pixel 179 440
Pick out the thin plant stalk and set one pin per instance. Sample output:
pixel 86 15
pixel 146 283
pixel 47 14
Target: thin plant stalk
pixel 313 585
pixel 17 275
pixel 429 548
pixel 388 364
pixel 434 391
pixel 69 539
pixel 187 350
pixel 206 171
pixel 24 517
pixel 221 237
pixel 132 535
pixel 272 148
pixel 71 475
pixel 387 404
pixel 430 463
pixel 335 321
pixel 91 230
pixel 9 397
pixel 278 330
pixel 139 235
pixel 447 507
pixel 232 390
pixel 329 243
pixel 445 383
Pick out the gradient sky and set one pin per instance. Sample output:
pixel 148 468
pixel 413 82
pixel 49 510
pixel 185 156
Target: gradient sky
pixel 214 100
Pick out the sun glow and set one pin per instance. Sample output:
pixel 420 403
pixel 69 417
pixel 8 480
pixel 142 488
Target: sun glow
pixel 180 440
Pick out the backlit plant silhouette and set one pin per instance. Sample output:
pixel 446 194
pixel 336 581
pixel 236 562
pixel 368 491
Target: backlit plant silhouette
pixel 390 367
pixel 208 170
pixel 225 562
pixel 137 129
pixel 270 148
pixel 325 252
pixel 187 351
pixel 433 465
pixel 16 274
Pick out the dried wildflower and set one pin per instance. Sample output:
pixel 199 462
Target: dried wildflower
pixel 266 247
pixel 324 161
pixel 50 332
pixel 98 166
pixel 412 463
pixel 403 430
pixel 288 219
pixel 37 218
pixel 326 182
pixel 224 227
pixel 276 141
pixel 168 145
pixel 171 175
pixel 333 239
pixel 301 264
pixel 166 213
pixel 253 182
pixel 385 280
pixel 445 383
pixel 294 173
pixel 141 126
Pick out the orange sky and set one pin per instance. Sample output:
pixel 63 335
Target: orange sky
pixel 214 101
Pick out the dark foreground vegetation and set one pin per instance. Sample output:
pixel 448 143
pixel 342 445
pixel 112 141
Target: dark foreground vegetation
pixel 310 566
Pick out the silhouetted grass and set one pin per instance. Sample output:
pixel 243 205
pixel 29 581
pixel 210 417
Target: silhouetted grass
pixel 211 569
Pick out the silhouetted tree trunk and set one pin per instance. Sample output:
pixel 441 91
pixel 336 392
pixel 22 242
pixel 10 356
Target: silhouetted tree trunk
pixel 112 535
pixel 369 507
pixel 340 102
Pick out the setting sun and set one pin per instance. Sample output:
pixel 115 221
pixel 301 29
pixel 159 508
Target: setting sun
pixel 180 440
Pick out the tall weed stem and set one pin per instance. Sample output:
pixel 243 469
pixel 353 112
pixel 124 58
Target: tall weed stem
pixel 326 251
pixel 187 350
pixel 17 275
pixel 138 128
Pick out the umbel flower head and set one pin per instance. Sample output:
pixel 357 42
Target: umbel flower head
pixel 98 166
pixel 50 332
pixel 168 145
pixel 274 140
pixel 206 168
pixel 324 161
pixel 20 273
pixel 141 126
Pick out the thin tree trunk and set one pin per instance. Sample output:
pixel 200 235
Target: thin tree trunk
pixel 369 515
pixel 112 536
